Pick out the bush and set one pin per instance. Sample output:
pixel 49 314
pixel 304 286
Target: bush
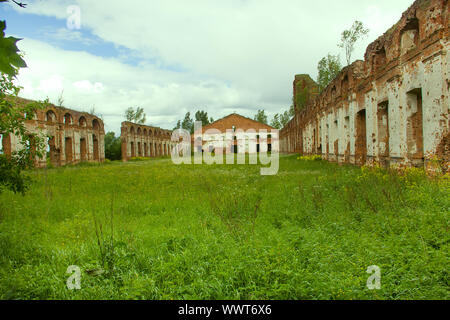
pixel 113 147
pixel 310 158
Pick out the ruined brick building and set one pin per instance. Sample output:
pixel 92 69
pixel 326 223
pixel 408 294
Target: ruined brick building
pixel 392 108
pixel 144 141
pixel 71 136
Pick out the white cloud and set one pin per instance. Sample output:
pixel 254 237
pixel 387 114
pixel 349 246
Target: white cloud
pixel 53 83
pixel 112 86
pixel 85 86
pixel 63 34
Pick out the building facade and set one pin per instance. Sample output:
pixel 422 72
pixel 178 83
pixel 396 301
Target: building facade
pixel 145 141
pixel 234 134
pixel 70 136
pixel 392 108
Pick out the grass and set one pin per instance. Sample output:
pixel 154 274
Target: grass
pixel 153 230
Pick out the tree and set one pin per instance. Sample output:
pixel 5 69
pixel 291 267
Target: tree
pixel 113 147
pixel 188 123
pixel 12 122
pixel 285 118
pixel 203 117
pixel 276 122
pixel 20 4
pixel 178 125
pixel 136 116
pixel 329 68
pixel 291 111
pixel 261 117
pixel 13 116
pixel 61 99
pixel 350 37
pixel 280 121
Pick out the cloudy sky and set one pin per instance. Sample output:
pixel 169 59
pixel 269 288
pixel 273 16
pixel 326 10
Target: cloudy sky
pixel 174 56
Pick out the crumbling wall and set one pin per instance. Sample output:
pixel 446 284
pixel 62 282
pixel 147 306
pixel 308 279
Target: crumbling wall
pixel 390 109
pixel 70 136
pixel 144 141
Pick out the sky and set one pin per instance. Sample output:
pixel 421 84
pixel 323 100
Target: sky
pixel 171 56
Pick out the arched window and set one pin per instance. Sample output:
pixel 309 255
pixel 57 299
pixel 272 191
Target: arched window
pixel 139 131
pixel 333 93
pixel 68 120
pixel 379 60
pixel 50 116
pixel 82 122
pixel 95 124
pixel 410 36
pixel 145 132
pixel 344 85
pixel 132 130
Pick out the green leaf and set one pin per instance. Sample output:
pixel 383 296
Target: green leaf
pixel 10 59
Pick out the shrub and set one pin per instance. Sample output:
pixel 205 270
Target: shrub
pixel 310 158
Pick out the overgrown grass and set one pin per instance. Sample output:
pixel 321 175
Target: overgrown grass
pixel 225 232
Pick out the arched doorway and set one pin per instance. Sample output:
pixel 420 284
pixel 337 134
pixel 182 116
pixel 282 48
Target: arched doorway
pixel 68 150
pixel 361 138
pixel 133 151
pixel 83 149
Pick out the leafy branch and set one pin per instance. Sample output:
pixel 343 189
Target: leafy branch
pixel 350 37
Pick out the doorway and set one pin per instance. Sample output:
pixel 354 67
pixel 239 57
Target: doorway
pixel 361 138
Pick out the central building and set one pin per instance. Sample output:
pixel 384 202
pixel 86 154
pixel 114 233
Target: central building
pixel 229 133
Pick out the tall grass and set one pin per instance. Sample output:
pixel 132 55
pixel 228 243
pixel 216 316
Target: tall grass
pixel 152 230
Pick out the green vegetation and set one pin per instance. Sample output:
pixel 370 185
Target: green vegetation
pixel 12 122
pixel 113 147
pixel 136 116
pixel 12 117
pixel 329 68
pixel 350 37
pixel 153 230
pixel 188 123
pixel 279 121
pixel 10 58
pixel 261 116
